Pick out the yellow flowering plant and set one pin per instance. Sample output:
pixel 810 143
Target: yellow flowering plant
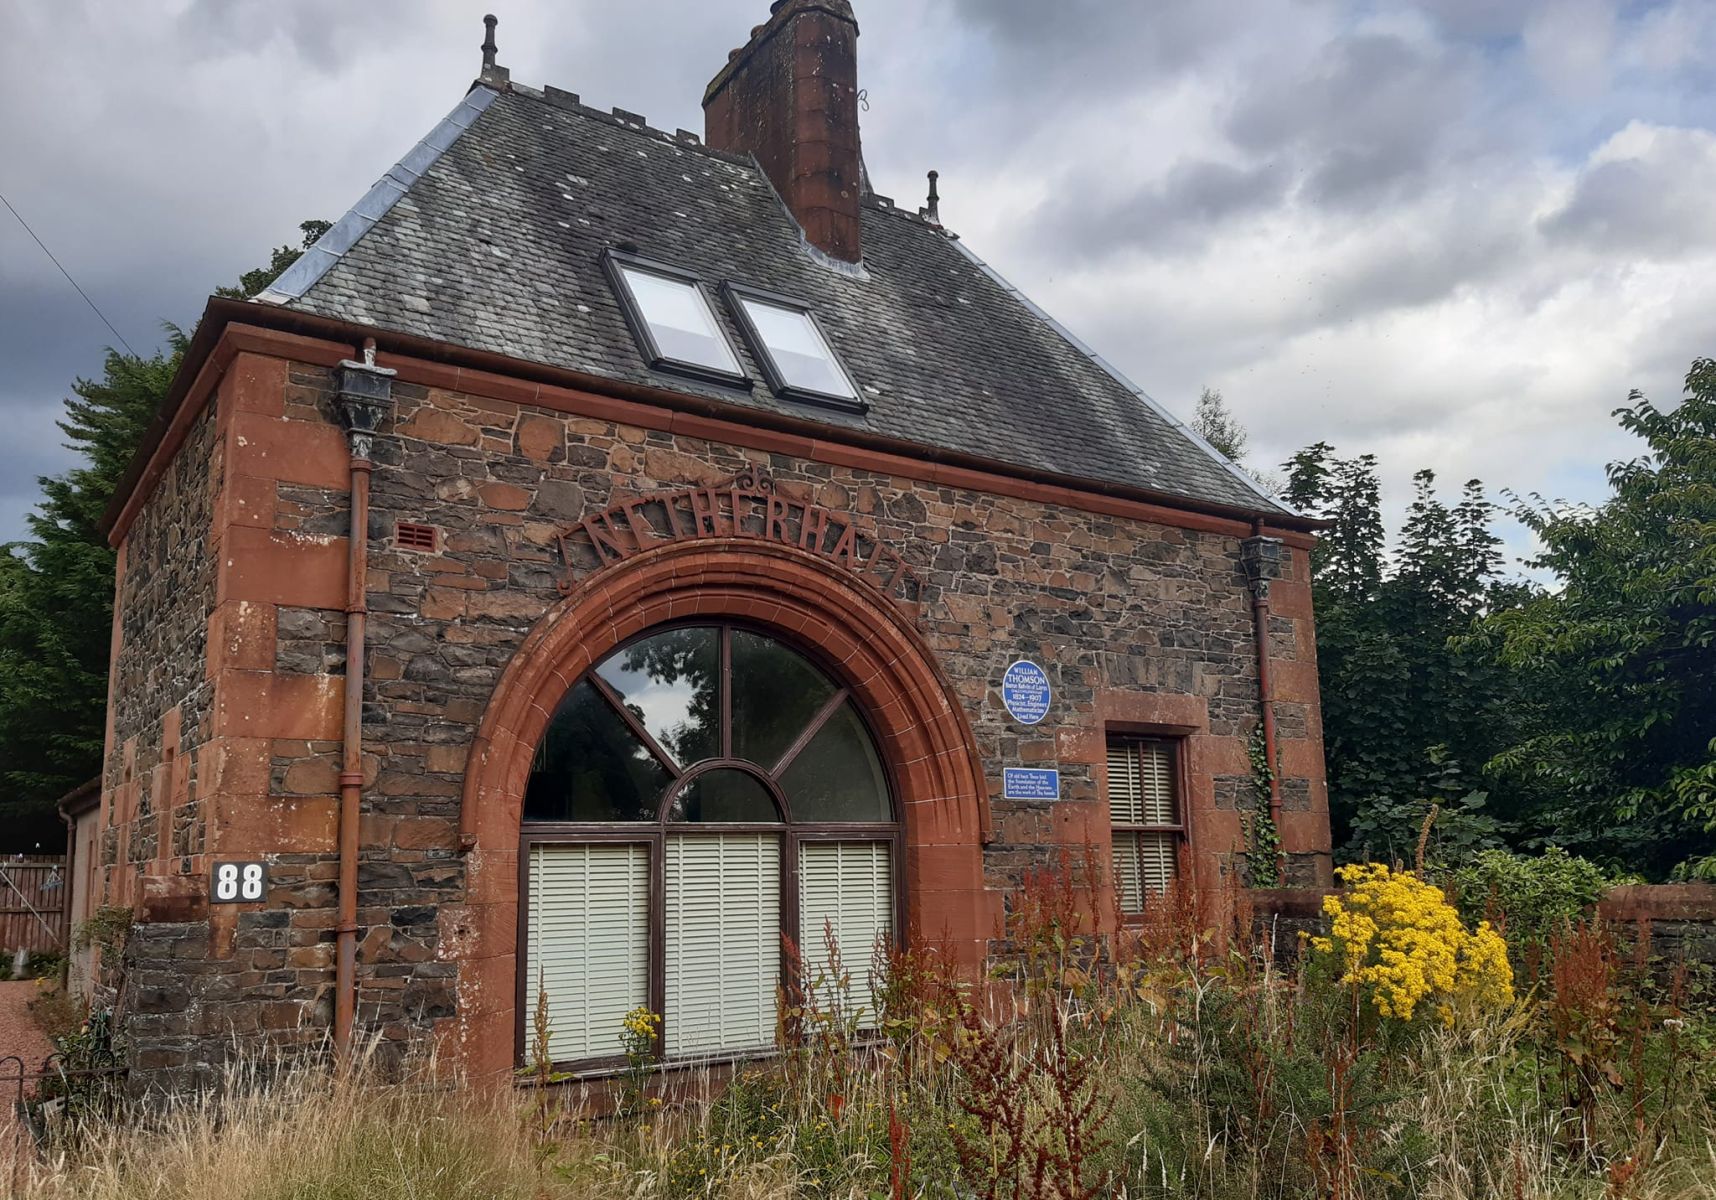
pixel 638 1031
pixel 1399 940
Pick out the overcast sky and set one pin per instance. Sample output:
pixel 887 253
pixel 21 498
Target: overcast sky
pixel 1454 233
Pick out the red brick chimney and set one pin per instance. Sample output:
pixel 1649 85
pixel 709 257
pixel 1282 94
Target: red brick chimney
pixel 790 97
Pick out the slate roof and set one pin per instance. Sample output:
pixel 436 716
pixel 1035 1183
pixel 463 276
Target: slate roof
pixel 489 235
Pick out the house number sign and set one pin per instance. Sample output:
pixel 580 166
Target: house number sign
pixel 239 883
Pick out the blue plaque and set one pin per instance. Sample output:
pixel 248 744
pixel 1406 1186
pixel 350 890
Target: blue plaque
pixel 1030 783
pixel 1025 692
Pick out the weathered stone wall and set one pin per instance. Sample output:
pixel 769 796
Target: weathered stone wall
pixel 1139 625
pixel 161 691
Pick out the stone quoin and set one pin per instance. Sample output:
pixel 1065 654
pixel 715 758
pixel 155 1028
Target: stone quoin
pixel 603 555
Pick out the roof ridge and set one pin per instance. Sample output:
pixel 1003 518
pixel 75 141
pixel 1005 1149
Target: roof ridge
pixel 684 139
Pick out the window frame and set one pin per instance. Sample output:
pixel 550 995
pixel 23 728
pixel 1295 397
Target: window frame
pixel 654 835
pixel 1179 830
pixel 736 294
pixel 615 263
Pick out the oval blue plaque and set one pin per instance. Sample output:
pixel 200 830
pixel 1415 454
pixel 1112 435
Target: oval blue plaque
pixel 1025 692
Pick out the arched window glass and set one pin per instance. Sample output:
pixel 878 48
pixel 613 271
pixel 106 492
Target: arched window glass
pixel 702 798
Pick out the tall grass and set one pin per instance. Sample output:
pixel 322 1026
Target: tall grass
pixel 1172 1063
pixel 293 1131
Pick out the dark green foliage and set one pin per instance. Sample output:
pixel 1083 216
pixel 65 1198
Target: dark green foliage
pixel 56 589
pixel 1405 715
pixel 1388 829
pixel 1620 659
pixel 56 603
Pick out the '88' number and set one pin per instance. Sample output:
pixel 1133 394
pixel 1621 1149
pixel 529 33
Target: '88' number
pixel 236 882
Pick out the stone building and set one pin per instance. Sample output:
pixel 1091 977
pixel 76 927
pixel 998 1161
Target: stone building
pixel 608 550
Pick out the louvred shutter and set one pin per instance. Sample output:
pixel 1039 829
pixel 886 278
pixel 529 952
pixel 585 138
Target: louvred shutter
pixel 723 946
pixel 587 943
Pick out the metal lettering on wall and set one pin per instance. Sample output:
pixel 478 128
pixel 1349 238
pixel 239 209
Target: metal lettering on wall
pixel 745 507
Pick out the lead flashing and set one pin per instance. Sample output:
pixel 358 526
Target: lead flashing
pixel 376 203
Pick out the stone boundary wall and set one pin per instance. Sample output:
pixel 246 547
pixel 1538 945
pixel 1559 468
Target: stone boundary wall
pixel 1681 918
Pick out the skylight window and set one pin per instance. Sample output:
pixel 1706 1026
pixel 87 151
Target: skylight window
pixel 672 320
pixel 791 349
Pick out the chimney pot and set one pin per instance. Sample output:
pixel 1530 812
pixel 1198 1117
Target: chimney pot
pixel 789 96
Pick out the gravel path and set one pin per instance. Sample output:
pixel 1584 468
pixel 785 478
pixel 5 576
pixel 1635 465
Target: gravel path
pixel 18 1032
pixel 18 1035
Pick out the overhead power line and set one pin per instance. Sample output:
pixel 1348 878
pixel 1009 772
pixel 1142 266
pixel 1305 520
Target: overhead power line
pixel 67 274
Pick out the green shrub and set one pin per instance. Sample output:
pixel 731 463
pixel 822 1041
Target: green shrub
pixel 1531 897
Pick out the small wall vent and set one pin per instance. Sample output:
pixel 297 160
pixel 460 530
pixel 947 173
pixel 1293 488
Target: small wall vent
pixel 409 535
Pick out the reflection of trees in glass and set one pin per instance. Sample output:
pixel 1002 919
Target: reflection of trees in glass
pixel 590 767
pixel 685 660
pixel 725 794
pixel 838 777
pixel 775 694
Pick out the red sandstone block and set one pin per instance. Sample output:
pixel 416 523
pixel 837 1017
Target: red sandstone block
pixel 1303 832
pixel 301 572
pixel 433 423
pixel 241 636
pixel 234 766
pixel 1302 757
pixel 1119 706
pixel 290 451
pixel 496 387
pixel 1295 680
pixel 540 437
pixel 261 704
pixel 254 383
pixel 247 500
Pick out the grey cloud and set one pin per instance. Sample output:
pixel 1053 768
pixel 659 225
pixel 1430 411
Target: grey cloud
pixel 1655 204
pixel 1479 20
pixel 1192 199
pixel 198 133
pixel 1101 45
pixel 1368 120
pixel 323 34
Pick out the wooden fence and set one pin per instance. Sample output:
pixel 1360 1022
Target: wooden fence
pixel 34 896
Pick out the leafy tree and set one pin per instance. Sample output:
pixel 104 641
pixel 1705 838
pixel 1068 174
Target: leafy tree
pixel 1404 712
pixel 1620 657
pixel 56 589
pixel 252 282
pixel 1219 427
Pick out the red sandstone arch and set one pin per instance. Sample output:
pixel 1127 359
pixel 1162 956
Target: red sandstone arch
pixel 919 725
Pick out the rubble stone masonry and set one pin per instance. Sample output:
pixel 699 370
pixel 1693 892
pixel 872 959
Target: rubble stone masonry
pixel 230 644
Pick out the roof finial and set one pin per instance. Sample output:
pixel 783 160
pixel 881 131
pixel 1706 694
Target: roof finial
pixel 933 213
pixel 489 47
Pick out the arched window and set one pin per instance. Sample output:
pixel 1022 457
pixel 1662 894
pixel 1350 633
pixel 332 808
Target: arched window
pixel 700 793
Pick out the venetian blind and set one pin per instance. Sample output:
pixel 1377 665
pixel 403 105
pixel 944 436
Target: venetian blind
pixel 1140 783
pixel 846 888
pixel 1141 792
pixel 722 941
pixel 587 943
pixel 1144 865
